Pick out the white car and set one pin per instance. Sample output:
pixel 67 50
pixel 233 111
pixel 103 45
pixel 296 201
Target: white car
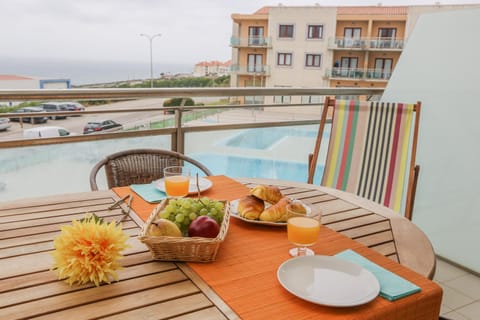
pixel 4 124
pixel 46 132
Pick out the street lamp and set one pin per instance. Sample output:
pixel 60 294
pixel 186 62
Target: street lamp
pixel 150 39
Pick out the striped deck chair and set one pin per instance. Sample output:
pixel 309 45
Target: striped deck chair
pixel 371 151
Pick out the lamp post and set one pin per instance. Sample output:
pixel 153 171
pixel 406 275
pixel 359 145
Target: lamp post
pixel 150 39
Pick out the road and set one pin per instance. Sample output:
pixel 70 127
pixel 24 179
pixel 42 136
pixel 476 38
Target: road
pixel 76 124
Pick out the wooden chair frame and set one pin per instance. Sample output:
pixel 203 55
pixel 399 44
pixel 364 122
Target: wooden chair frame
pixel 413 168
pixel 148 163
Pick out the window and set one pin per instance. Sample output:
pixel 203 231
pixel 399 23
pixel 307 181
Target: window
pixel 284 59
pixel 311 99
pixel 313 60
pixel 255 63
pixel 387 33
pixel 315 32
pixel 285 31
pixel 255 36
pixel 383 68
pixel 348 66
pixel 352 33
pixel 281 99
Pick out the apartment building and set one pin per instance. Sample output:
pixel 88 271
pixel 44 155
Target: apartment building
pixel 212 68
pixel 318 46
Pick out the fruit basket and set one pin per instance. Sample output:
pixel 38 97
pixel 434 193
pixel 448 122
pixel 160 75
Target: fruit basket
pixel 188 249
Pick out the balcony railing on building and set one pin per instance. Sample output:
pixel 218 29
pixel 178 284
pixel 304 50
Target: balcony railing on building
pixel 358 74
pixel 251 41
pixel 250 69
pixel 378 43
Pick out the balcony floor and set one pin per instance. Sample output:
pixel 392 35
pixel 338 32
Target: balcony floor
pixel 461 292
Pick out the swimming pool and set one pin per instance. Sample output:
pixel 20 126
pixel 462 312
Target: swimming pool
pixel 237 167
pixel 265 138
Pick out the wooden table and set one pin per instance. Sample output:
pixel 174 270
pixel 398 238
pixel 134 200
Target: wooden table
pixel 367 222
pixel 152 289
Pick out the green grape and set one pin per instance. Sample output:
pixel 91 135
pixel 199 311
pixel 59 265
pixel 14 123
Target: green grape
pixel 179 217
pixel 203 212
pixel 219 206
pixel 164 214
pixel 192 216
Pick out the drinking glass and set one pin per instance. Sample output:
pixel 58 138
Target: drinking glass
pixel 177 181
pixel 303 229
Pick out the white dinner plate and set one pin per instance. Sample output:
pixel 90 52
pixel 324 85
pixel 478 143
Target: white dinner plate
pixel 203 183
pixel 329 281
pixel 234 213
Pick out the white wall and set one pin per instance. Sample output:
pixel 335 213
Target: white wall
pixel 20 84
pixel 440 67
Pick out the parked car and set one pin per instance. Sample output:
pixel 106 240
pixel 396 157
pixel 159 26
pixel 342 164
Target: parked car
pixel 39 119
pixel 46 132
pixel 4 124
pixel 102 125
pixel 75 106
pixel 55 107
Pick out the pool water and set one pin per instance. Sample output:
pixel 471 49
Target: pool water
pixel 237 167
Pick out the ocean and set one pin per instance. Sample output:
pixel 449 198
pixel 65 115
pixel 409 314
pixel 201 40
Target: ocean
pixel 88 72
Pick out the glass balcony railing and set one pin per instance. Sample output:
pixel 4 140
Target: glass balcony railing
pixel 250 69
pixel 251 41
pixel 359 74
pixel 366 43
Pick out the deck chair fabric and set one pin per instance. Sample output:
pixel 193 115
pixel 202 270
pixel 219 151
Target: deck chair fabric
pixel 371 152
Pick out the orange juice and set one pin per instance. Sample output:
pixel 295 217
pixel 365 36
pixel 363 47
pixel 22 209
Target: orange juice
pixel 302 230
pixel 177 186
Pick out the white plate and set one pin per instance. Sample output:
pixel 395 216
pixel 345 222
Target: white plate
pixel 234 213
pixel 203 183
pixel 329 281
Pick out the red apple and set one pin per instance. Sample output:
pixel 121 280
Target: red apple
pixel 203 226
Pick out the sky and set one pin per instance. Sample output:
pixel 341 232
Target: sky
pixel 109 30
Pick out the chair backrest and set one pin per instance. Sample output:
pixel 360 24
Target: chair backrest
pixel 139 166
pixel 371 151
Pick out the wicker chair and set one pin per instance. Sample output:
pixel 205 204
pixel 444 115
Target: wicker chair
pixel 139 166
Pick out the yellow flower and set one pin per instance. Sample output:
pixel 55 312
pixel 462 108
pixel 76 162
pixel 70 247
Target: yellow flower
pixel 88 251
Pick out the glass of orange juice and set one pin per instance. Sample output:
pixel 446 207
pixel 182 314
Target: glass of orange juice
pixel 177 181
pixel 303 229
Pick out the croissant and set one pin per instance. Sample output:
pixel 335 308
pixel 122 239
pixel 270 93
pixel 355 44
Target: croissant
pixel 250 207
pixel 271 194
pixel 276 212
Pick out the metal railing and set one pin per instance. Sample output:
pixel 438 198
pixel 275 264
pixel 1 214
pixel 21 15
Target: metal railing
pixel 251 69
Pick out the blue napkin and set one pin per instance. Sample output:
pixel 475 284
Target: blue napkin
pixel 392 286
pixel 148 192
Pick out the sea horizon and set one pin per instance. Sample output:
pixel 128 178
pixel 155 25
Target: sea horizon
pixel 88 72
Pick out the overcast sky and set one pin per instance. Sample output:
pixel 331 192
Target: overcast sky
pixel 109 30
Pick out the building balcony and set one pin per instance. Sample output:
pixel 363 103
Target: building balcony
pixel 256 42
pixel 358 74
pixel 373 44
pixel 262 70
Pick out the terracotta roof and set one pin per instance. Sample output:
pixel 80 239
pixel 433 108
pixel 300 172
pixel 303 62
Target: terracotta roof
pixel 13 77
pixel 263 10
pixel 373 10
pixel 213 63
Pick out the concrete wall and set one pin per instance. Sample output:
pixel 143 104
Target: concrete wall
pixel 298 75
pixel 439 67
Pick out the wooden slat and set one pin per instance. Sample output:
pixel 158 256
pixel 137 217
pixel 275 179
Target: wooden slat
pixel 356 222
pixel 344 215
pixel 120 296
pixel 376 238
pixel 386 248
pixel 368 229
pixel 42 277
pixel 210 314
pixel 53 288
pixel 334 206
pixel 35 262
pixel 166 309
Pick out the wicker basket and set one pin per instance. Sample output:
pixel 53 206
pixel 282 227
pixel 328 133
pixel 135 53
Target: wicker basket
pixel 192 249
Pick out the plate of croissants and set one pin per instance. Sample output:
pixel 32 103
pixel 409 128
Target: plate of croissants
pixel 265 205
